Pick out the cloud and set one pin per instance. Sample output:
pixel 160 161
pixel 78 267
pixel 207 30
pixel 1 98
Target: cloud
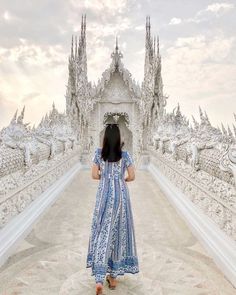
pixel 141 52
pixel 104 6
pixel 98 62
pixel 110 29
pixel 212 10
pixel 199 49
pixel 31 54
pixel 220 7
pixel 199 70
pixel 30 96
pixel 7 109
pixel 32 75
pixel 175 21
pixel 140 28
pixel 6 15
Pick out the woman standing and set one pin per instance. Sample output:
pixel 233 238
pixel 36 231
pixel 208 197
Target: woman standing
pixel 112 247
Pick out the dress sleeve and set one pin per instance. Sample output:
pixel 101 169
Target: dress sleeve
pixel 129 160
pixel 96 159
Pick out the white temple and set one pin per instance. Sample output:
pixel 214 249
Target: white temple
pixel 194 164
pixel 116 97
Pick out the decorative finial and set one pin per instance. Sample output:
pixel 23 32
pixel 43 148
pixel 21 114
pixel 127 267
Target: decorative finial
pixel 148 27
pixel 117 47
pixel 83 26
pixel 148 22
pixel 84 23
pixel 116 55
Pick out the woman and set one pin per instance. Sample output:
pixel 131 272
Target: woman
pixel 112 247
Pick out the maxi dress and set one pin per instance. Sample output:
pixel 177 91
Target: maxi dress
pixel 112 245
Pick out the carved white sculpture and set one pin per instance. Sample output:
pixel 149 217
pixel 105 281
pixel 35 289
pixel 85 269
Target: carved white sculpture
pixel 33 159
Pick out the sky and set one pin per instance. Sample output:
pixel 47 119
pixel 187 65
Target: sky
pixel 197 45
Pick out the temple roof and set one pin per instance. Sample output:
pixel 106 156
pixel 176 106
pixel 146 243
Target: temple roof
pixel 117 66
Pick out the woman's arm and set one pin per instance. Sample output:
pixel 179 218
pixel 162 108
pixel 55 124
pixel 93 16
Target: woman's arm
pixel 131 173
pixel 95 172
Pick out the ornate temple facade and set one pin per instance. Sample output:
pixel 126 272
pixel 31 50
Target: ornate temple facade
pixel 116 97
pixel 194 163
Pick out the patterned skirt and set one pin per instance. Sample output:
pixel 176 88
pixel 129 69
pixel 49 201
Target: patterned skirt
pixel 112 246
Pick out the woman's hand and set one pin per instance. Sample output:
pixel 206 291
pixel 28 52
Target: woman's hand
pixel 96 172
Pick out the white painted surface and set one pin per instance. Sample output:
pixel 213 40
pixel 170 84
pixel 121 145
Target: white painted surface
pixel 18 227
pixel 218 244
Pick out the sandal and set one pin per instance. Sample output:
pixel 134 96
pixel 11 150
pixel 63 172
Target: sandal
pixel 109 283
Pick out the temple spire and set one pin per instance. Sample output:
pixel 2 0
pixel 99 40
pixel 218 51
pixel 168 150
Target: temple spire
pixel 116 54
pixel 148 26
pixel 72 47
pixel 76 49
pixel 82 26
pixel 148 46
pixel 84 29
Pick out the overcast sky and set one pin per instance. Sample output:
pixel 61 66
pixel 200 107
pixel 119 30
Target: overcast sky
pixel 197 44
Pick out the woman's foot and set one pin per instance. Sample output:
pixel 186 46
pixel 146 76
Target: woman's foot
pixel 99 288
pixel 112 282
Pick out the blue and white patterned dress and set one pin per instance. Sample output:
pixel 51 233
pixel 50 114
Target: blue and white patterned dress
pixel 112 246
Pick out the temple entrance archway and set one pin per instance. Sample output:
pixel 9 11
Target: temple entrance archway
pixel 122 119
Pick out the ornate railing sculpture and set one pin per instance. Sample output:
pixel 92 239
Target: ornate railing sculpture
pixel 201 162
pixel 32 159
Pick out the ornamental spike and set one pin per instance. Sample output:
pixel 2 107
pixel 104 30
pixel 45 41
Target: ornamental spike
pixel 230 132
pixel 201 115
pixel 223 129
pixel 234 130
pixel 13 120
pixel 23 112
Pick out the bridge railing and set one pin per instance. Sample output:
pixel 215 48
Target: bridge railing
pixel 196 169
pixel 36 164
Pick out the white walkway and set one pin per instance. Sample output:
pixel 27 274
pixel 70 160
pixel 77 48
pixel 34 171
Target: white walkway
pixel 52 259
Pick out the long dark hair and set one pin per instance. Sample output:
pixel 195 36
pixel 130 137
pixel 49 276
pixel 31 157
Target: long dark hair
pixel 111 149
